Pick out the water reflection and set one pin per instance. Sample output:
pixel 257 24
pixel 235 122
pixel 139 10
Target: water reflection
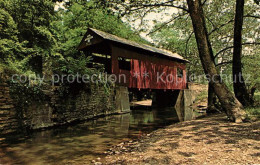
pixel 85 141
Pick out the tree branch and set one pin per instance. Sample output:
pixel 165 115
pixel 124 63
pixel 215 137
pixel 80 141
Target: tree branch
pixel 217 28
pixel 138 6
pixel 252 16
pixel 230 47
pixel 164 24
pixel 204 2
pixel 210 21
pixel 230 21
pixel 187 42
pixel 164 5
pixel 223 63
pixel 144 14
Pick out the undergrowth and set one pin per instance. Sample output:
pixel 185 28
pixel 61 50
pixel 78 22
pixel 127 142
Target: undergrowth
pixel 254 111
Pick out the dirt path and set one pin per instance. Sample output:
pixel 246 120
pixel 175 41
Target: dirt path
pixel 211 140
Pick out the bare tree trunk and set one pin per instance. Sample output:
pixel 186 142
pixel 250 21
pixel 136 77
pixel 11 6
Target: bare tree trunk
pixel 211 99
pixel 238 81
pixel 227 99
pixel 211 94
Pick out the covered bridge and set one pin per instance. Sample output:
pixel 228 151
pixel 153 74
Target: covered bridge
pixel 139 69
pixel 144 66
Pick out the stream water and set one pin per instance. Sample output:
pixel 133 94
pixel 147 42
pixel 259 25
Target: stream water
pixel 85 141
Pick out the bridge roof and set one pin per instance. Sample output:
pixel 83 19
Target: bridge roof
pixel 113 38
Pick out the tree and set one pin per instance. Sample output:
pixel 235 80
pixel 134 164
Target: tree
pixel 228 101
pixel 33 19
pixel 10 48
pixel 251 67
pixel 239 85
pixel 71 24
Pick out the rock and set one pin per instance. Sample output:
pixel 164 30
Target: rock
pixel 98 163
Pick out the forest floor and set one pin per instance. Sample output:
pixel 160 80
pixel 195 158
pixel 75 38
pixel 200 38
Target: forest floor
pixel 210 140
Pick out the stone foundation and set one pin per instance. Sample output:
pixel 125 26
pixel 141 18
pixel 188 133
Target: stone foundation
pixel 58 107
pixel 183 105
pixel 8 118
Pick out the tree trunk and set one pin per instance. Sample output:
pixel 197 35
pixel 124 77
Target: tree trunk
pixel 211 94
pixel 230 104
pixel 211 99
pixel 238 81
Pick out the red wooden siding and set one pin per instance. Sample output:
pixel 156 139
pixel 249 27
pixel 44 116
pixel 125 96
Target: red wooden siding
pixel 146 70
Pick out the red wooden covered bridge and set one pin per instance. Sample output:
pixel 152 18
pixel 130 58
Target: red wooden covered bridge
pixel 145 67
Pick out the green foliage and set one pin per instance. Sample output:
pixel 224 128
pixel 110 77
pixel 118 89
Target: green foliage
pixel 175 39
pixel 31 32
pixel 177 36
pixel 254 111
pixel 8 69
pixel 26 31
pixel 71 65
pixel 72 24
pixel 10 47
pixel 33 19
pixel 26 94
pixel 203 95
pixel 8 26
pixel 251 69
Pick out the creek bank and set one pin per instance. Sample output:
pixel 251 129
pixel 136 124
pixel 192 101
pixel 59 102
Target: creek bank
pixel 25 108
pixel 210 140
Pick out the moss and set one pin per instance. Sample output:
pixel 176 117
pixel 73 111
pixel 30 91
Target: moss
pixel 25 95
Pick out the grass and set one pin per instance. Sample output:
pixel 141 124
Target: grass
pixel 202 96
pixel 254 112
pixel 257 97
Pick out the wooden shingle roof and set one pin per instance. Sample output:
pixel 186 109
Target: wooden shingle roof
pixel 111 37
